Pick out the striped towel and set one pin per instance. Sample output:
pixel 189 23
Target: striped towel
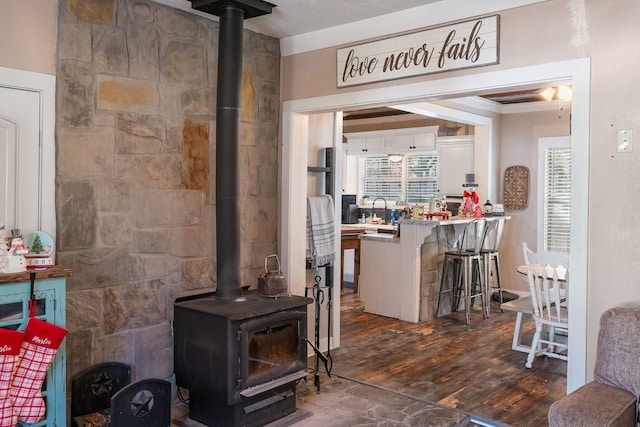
pixel 320 231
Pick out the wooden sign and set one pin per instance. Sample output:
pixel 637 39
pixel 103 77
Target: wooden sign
pixel 456 46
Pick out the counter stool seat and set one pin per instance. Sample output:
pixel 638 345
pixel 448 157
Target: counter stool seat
pixel 468 274
pixel 491 260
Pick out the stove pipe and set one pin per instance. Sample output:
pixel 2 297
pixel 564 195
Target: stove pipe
pixel 227 152
pixel 231 13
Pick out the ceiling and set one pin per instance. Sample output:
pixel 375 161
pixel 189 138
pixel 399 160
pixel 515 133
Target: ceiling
pixel 295 17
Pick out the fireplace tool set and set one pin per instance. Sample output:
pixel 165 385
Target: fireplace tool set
pixel 318 297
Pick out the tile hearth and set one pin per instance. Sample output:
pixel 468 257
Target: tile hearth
pixel 345 403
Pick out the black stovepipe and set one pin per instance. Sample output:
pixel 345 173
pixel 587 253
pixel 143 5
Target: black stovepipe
pixel 227 152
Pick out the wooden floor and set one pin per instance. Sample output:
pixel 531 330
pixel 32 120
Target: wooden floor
pixel 468 367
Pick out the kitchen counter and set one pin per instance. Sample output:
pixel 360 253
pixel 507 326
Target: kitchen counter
pixel 379 289
pixel 400 276
pixel 373 228
pixel 454 220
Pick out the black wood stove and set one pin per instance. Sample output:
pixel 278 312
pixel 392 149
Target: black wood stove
pixel 240 356
pixel 241 359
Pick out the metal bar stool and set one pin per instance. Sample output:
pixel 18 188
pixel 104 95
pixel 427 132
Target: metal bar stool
pixel 491 261
pixel 468 277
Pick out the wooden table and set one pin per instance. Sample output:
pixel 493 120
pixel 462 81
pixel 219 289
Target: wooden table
pixel 350 240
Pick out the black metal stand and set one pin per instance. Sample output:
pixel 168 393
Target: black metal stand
pixel 319 298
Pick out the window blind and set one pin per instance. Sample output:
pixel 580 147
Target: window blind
pixel 382 178
pixel 557 199
pixel 414 179
pixel 421 177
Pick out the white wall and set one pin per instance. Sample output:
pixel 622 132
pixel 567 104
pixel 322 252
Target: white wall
pixel 321 135
pixel 520 133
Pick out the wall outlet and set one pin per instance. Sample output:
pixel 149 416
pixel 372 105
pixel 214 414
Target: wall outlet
pixel 625 140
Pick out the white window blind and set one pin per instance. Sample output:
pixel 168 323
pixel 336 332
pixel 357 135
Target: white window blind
pixel 382 178
pixel 421 178
pixel 414 179
pixel 557 199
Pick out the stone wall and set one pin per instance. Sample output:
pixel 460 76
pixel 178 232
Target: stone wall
pixel 135 189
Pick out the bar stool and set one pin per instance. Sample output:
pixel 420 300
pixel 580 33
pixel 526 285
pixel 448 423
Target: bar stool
pixel 491 261
pixel 468 276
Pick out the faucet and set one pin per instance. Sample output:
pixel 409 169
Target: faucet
pixel 386 221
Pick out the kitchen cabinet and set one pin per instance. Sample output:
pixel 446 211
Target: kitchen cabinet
pixel 392 141
pixel 50 291
pixel 366 146
pixel 411 143
pixel 455 160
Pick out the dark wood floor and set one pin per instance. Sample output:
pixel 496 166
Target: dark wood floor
pixel 468 367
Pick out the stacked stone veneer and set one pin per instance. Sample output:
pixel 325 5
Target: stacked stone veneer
pixel 135 166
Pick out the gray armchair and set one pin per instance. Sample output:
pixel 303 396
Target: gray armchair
pixel 612 398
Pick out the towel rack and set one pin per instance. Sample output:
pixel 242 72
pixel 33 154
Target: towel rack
pixel 317 290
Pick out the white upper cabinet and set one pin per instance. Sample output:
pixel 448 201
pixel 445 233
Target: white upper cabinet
pixel 455 160
pixel 368 145
pixel 409 143
pixel 393 141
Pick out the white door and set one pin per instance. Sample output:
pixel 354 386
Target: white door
pixel 20 159
pixel 26 152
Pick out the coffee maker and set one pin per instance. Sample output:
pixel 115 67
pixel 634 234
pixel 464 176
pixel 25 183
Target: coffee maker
pixel 349 209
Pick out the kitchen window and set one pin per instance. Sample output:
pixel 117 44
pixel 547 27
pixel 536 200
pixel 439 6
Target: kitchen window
pixel 414 179
pixel 554 224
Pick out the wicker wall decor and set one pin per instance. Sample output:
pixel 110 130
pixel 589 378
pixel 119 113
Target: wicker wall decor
pixel 516 187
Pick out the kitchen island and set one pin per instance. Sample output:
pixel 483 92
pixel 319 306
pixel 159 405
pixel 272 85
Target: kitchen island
pixel 399 276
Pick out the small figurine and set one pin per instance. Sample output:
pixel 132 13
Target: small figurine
pixel 14 260
pixel 18 247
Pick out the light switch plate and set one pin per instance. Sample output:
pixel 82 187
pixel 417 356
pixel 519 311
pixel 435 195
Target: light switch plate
pixel 625 140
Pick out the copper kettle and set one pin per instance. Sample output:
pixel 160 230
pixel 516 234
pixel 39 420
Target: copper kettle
pixel 272 282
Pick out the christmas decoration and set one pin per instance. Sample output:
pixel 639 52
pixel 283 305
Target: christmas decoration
pixel 40 345
pixel 470 207
pixel 12 260
pixel 40 254
pixel 10 344
pixel 37 248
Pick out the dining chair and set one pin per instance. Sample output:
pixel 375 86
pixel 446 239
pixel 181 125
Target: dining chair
pixel 548 286
pixel 466 259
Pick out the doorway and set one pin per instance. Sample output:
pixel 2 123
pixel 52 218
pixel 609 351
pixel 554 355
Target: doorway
pixel 295 133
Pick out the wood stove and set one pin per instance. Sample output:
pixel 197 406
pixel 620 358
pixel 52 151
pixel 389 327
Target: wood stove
pixel 240 359
pixel 239 356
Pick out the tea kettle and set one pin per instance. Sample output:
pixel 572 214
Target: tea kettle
pixel 272 282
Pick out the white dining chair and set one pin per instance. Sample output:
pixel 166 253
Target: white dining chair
pixel 548 286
